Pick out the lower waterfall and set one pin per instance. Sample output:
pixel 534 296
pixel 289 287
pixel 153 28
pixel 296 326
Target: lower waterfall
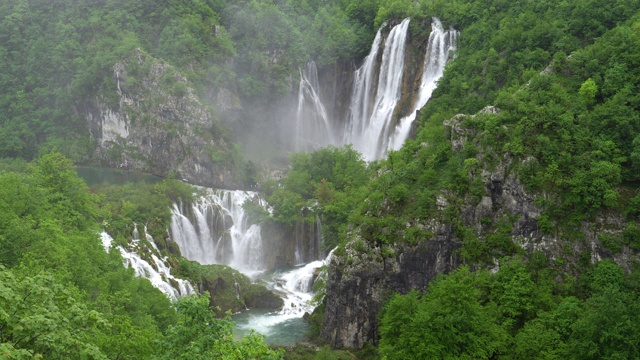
pixel 284 327
pixel 159 274
pixel 217 229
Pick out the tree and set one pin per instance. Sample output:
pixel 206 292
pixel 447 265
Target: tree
pixel 65 191
pixel 448 322
pixel 200 335
pixel 41 317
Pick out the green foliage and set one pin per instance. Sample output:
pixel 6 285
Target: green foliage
pixel 447 322
pixel 200 335
pixel 588 91
pixel 63 296
pixel 148 204
pixel 328 182
pixel 69 298
pixel 44 318
pixel 393 10
pixel 515 314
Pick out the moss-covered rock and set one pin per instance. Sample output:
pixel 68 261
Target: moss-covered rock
pixel 230 289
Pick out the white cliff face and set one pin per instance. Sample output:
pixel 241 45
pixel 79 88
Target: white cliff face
pixel 154 121
pixel 114 126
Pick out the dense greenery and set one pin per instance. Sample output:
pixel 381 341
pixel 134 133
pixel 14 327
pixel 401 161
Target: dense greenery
pixel 327 183
pixel 520 312
pixel 63 296
pixel 148 205
pixel 570 129
pixel 199 335
pixel 563 74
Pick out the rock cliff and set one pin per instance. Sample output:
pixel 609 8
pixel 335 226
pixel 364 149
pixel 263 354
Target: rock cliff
pixel 286 246
pixel 359 282
pixel 153 121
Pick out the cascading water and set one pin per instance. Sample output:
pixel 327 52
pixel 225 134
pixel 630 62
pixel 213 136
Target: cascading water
pixel 216 229
pixel 285 327
pixel 441 45
pixel 371 126
pixel 364 83
pixel 372 140
pixel 159 274
pixel 313 126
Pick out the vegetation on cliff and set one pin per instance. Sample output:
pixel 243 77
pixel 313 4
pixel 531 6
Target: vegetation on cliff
pixel 57 56
pixel 520 312
pixel 562 77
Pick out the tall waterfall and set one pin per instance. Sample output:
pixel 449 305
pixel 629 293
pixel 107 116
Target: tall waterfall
pixel 364 83
pixel 441 44
pixel 313 126
pixel 371 139
pixel 216 229
pixel 372 125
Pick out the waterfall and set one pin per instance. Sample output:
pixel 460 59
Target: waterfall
pixel 313 126
pixel 364 83
pixel 372 125
pixel 296 288
pixel 158 273
pixel 389 91
pixel 216 229
pixel 441 44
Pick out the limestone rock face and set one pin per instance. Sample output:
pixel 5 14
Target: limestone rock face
pixel 286 246
pixel 154 122
pixel 359 283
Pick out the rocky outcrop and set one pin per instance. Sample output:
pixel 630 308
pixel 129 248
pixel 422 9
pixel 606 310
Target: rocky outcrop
pixel 360 280
pixel 153 121
pixel 287 246
pixel 231 290
pixel 336 86
pixel 506 197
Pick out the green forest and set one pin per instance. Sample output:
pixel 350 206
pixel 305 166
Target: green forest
pixel 562 79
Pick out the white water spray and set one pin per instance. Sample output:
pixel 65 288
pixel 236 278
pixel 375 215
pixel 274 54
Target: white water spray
pixel 372 125
pixel 313 126
pixel 216 229
pixel 296 288
pixel 361 99
pixel 372 142
pixel 441 45
pixel 159 274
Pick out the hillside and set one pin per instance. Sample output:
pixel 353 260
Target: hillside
pixel 507 225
